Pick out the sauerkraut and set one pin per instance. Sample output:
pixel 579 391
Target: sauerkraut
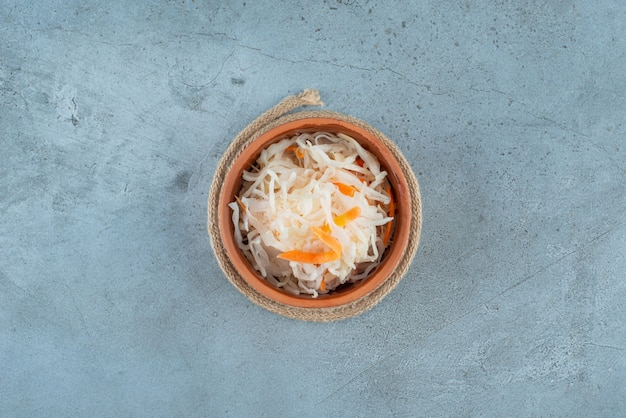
pixel 315 211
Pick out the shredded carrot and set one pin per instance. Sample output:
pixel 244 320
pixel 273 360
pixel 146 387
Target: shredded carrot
pixel 316 258
pixel 309 258
pixel 325 228
pixel 296 149
pixel 345 189
pixel 323 285
pixel 350 215
pixel 328 239
pixel 359 161
pixel 392 212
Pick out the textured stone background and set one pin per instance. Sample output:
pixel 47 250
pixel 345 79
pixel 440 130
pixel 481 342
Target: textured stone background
pixel 113 116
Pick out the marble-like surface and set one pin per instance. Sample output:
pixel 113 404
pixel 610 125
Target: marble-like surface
pixel 113 116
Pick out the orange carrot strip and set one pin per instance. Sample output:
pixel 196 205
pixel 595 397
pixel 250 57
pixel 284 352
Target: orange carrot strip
pixel 326 257
pixel 323 285
pixel 345 189
pixel 359 161
pixel 328 239
pixel 296 149
pixel 309 258
pixel 350 215
pixel 325 228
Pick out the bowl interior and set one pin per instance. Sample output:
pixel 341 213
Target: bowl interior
pixel 346 293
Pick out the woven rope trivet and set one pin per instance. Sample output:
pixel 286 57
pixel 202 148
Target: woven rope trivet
pixel 277 116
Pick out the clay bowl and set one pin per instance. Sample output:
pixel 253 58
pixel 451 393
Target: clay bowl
pixel 344 294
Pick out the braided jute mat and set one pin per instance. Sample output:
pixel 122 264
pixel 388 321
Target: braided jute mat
pixel 276 116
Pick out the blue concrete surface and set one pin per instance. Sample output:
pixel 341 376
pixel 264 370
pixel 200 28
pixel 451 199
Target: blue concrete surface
pixel 113 116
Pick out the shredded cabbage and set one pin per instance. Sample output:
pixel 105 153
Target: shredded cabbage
pixel 314 212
